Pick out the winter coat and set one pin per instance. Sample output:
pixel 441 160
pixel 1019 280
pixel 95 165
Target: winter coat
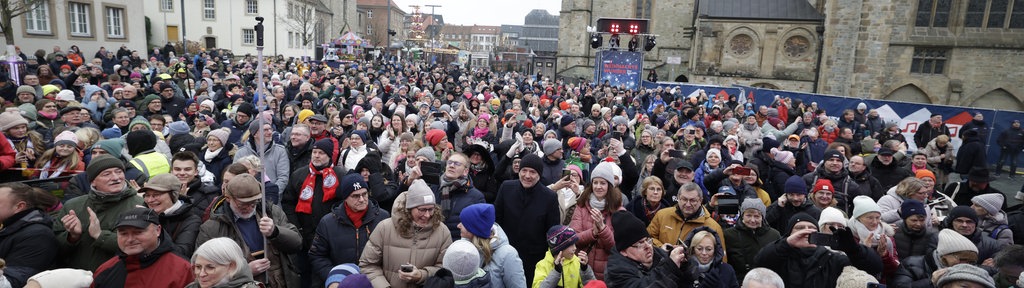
pixel 874 124
pixel 484 179
pixel 888 175
pixel 868 184
pixel 28 245
pixel 778 217
pixel 639 208
pixel 962 193
pixel 623 272
pixel 282 272
pixel 989 224
pixel 916 272
pixel 934 153
pixel 277 166
pixel 202 196
pixel 669 227
pixel 976 125
pixel 505 268
pixel 987 247
pixel 161 268
pixel 526 215
pixel 79 185
pixel 89 253
pixel 846 188
pixel 597 244
pixel 744 244
pixel 307 223
pixel 552 171
pixel 387 250
pixel 1015 216
pixel 814 267
pixel 719 274
pixel 1011 139
pixel 299 156
pixel 926 133
pixel 241 280
pixel 460 199
pixel 570 276
pixel 183 227
pixel 219 162
pixel 911 243
pixel 970 155
pixel 337 241
pixel 640 153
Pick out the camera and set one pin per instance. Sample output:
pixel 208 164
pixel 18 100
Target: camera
pixel 728 205
pixel 822 239
pixel 407 268
pixel 675 153
pixel 742 171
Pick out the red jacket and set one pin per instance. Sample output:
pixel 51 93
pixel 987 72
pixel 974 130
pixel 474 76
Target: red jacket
pixel 168 270
pixel 7 153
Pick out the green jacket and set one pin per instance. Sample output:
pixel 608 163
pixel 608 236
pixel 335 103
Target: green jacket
pixel 89 253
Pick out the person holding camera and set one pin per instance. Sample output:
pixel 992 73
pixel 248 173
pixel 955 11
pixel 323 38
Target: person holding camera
pixel 670 225
pixel 809 258
pixel 637 262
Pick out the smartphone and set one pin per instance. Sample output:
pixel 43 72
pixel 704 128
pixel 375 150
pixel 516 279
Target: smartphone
pixel 617 135
pixel 822 239
pixel 742 171
pixel 520 117
pixel 675 153
pixel 438 114
pixel 691 131
pixel 407 268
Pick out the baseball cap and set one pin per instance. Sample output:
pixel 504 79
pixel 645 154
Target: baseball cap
pixel 138 217
pixel 244 188
pixel 886 151
pixel 676 164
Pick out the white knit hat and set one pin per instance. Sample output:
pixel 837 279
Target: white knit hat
pixel 66 95
pixel 950 242
pixel 992 202
pixel 419 194
pixel 64 277
pixel 608 171
pixel 862 205
pixel 462 259
pixel 853 277
pixel 831 215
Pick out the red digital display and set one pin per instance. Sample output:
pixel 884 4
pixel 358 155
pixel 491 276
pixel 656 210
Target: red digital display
pixel 622 25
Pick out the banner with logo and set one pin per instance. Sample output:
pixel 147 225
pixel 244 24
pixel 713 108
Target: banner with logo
pixel 908 116
pixel 619 68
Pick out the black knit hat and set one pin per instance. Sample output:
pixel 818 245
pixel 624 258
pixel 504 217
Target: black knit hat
pixel 140 141
pixel 532 161
pixel 628 229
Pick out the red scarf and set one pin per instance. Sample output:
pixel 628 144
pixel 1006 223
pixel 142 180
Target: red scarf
pixel 356 217
pixel 330 181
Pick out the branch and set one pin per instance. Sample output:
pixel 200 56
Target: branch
pixel 20 7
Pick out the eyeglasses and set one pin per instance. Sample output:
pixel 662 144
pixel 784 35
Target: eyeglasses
pixel 50 106
pixel 425 210
pixel 455 163
pixel 690 201
pixel 359 196
pixel 647 242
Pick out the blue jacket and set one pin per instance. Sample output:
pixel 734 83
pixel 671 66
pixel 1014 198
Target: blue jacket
pixel 338 241
pixel 505 268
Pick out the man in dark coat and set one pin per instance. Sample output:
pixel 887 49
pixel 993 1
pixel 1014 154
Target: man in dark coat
pixel 964 221
pixel 150 262
pixel 802 264
pixel 887 170
pixel 833 170
pixel 337 240
pixel 792 202
pixel 866 181
pixel 455 192
pixel 299 146
pixel 928 131
pixel 637 263
pixel 185 166
pixel 526 209
pixel 917 271
pixel 27 241
pixel 911 233
pixel 971 154
pixel 1010 142
pixel 977 183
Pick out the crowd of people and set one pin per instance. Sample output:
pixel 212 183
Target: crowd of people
pixel 121 171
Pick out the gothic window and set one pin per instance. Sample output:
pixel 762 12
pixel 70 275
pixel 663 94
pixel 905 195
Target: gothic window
pixel 933 13
pixel 741 45
pixel 797 46
pixel 993 14
pixel 929 60
pixel 642 9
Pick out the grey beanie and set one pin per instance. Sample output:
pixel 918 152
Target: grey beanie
pixel 752 203
pixel 427 152
pixel 992 202
pixel 966 272
pixel 551 145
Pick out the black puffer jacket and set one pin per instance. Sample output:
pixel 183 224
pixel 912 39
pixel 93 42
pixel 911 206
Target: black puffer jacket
pixel 28 244
pixel 623 272
pixel 846 188
pixel 869 185
pixel 971 154
pixel 814 267
pixel 888 175
pixel 742 245
pixel 915 272
pixel 910 243
pixel 183 227
pixel 338 241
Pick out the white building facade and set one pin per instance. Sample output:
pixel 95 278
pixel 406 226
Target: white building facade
pixel 85 23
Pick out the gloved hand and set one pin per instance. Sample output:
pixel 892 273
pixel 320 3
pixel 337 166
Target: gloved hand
pixel 846 242
pixel 710 279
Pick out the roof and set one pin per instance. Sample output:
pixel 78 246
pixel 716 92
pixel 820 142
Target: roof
pixel 480 29
pixel 760 9
pixel 379 3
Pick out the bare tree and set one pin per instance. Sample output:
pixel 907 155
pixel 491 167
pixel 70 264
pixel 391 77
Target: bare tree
pixel 10 9
pixel 302 20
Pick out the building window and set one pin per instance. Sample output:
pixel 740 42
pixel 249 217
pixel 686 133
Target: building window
pixel 78 18
pixel 167 5
pixel 741 45
pixel 248 36
pixel 252 6
pixel 209 12
pixel 369 14
pixel 37 21
pixel 933 13
pixel 929 60
pixel 115 22
pixel 369 30
pixel 642 9
pixel 797 47
pixel 291 38
pixel 993 14
pixel 1017 14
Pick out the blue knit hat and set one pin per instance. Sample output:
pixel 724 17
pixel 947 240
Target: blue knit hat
pixel 796 185
pixel 350 183
pixel 177 128
pixel 340 272
pixel 566 120
pixel 561 237
pixel 111 133
pixel 361 134
pixel 478 219
pixel 911 207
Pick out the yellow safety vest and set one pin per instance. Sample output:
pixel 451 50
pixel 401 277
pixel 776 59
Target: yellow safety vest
pixel 152 164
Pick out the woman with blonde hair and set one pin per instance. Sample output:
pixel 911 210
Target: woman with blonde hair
pixel 650 199
pixel 219 263
pixel 497 256
pixel 910 188
pixel 591 218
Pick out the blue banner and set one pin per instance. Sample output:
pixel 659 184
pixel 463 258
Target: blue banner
pixel 908 116
pixel 619 68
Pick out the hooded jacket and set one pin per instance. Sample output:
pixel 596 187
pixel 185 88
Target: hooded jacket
pixel 888 175
pixel 275 160
pixel 89 253
pixel 338 241
pixel 1012 139
pixel 744 243
pixel 286 241
pixel 846 188
pixel 868 184
pixel 668 225
pixel 28 245
pixel 971 154
pixel 778 217
pixel 388 250
pixel 989 225
pixel 505 268
pixel 916 272
pixel 719 274
pixel 573 273
pixel 911 243
pixel 160 268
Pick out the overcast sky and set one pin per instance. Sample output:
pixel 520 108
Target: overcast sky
pixel 482 12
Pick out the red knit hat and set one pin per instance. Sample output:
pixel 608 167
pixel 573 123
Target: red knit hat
pixel 435 136
pixel 823 184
